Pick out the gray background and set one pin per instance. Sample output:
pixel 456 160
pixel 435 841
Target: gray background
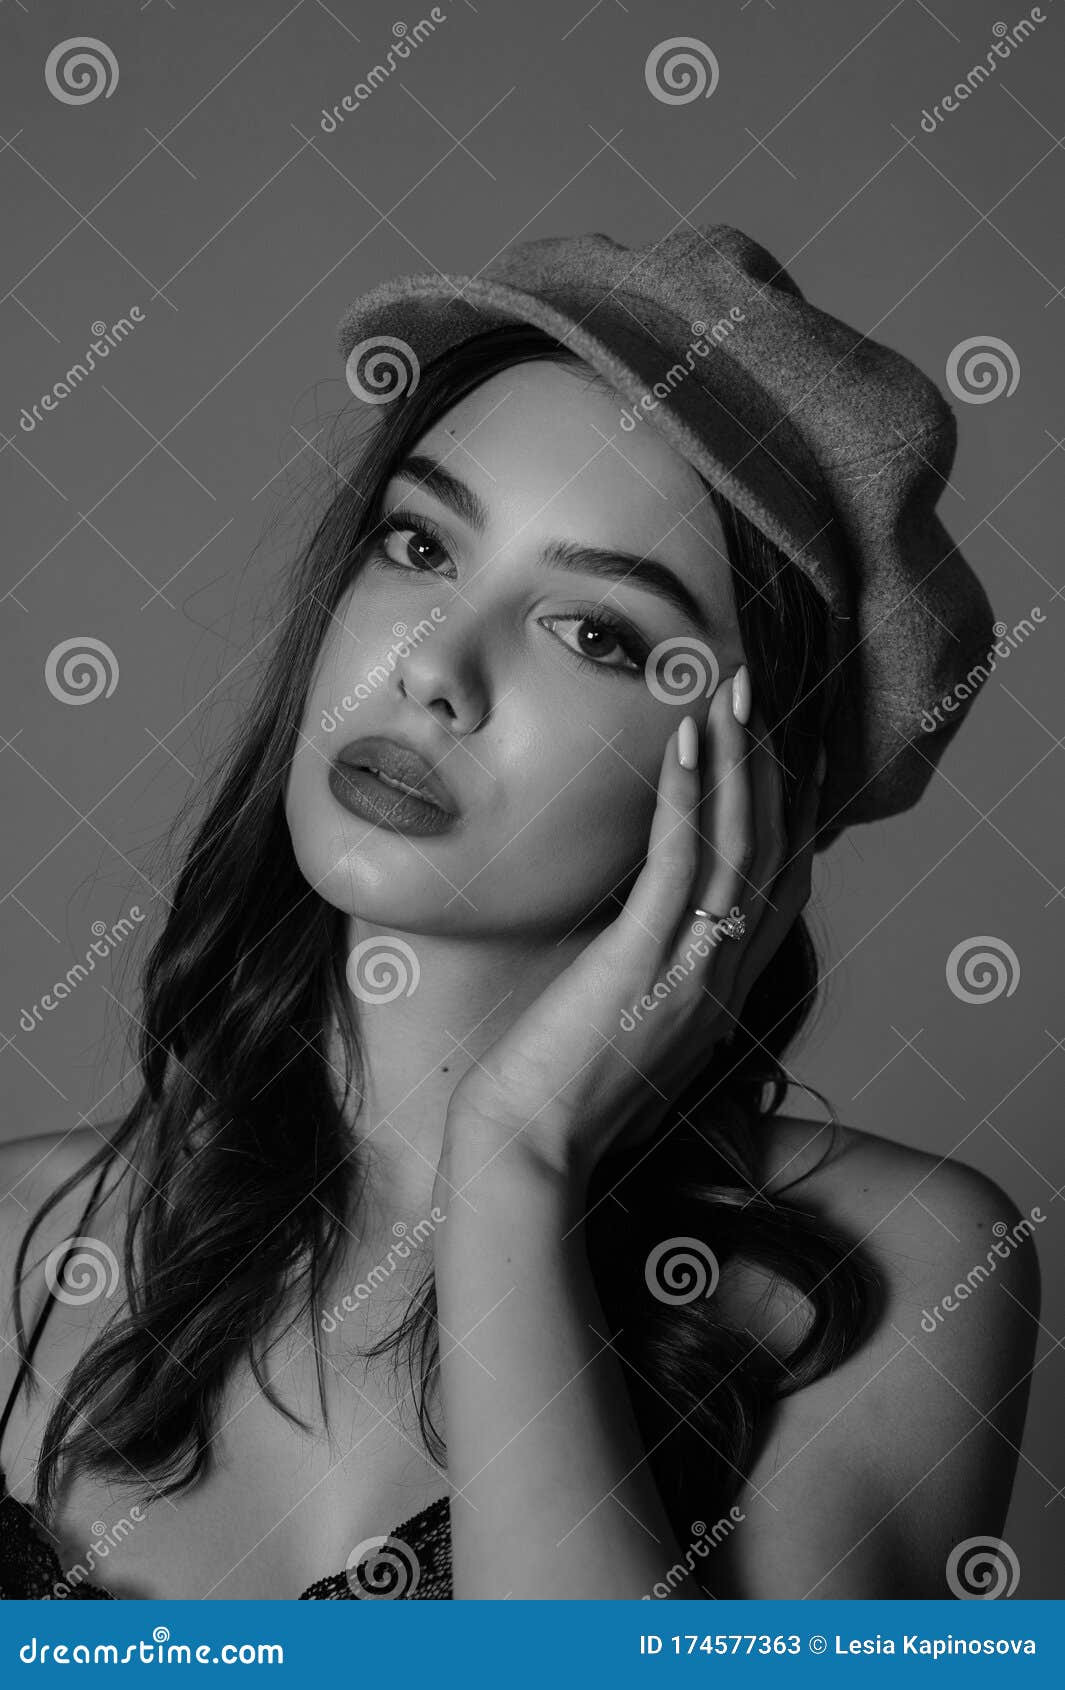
pixel 156 507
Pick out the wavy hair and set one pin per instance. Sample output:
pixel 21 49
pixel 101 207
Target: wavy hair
pixel 245 1170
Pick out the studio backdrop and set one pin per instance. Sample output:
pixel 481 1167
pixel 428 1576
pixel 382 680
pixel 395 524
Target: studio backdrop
pixel 193 194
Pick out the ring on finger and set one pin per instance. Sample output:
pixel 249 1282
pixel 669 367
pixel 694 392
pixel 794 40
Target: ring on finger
pixel 731 926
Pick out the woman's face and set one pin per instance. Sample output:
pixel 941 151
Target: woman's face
pixel 546 725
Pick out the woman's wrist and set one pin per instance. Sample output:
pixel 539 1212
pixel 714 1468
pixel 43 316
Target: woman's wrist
pixel 479 1156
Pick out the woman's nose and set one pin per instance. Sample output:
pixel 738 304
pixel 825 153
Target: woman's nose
pixel 443 673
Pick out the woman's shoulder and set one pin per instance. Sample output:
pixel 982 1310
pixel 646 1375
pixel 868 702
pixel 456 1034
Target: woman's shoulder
pixel 920 1220
pixel 861 1176
pixel 32 1168
pixel 869 1475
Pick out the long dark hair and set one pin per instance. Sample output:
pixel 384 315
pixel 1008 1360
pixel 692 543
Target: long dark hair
pixel 244 1170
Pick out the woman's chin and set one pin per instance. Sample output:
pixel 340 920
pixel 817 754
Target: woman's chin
pixel 372 883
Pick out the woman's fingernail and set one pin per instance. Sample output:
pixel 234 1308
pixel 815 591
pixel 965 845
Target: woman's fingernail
pixel 741 693
pixel 688 743
pixel 821 766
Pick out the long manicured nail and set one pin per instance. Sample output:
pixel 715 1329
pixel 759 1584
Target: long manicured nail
pixel 741 693
pixel 688 743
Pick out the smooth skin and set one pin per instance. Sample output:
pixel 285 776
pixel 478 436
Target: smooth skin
pixel 621 1088
pixel 855 1492
pixel 496 1086
pixel 913 1444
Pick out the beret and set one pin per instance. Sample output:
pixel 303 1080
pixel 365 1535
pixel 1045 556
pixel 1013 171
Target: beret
pixel 835 446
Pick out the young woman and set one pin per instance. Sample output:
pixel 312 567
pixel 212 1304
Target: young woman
pixel 456 1244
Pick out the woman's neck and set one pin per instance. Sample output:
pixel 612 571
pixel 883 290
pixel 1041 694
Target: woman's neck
pixel 458 997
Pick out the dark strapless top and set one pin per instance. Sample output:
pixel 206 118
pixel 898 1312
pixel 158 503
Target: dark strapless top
pixel 412 1561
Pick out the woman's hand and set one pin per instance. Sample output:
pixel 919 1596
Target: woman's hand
pixel 604 1051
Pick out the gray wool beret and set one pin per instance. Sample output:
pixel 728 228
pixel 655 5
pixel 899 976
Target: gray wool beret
pixel 834 445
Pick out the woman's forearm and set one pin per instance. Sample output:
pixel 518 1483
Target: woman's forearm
pixel 553 1494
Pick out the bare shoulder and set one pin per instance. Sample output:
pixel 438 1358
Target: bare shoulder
pixel 864 1180
pixel 31 1170
pixel 868 1476
pixel 920 1220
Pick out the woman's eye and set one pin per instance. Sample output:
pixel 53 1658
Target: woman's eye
pixel 597 639
pixel 409 546
pixel 598 642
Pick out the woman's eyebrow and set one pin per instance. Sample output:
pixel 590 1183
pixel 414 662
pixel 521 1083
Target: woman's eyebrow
pixel 608 563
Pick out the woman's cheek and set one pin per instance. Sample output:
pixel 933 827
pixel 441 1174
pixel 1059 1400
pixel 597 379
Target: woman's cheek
pixel 605 815
pixel 335 676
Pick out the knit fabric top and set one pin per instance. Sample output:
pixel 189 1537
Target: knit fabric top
pixel 412 1561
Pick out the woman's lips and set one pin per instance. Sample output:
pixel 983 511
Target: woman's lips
pixel 400 763
pixel 365 795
